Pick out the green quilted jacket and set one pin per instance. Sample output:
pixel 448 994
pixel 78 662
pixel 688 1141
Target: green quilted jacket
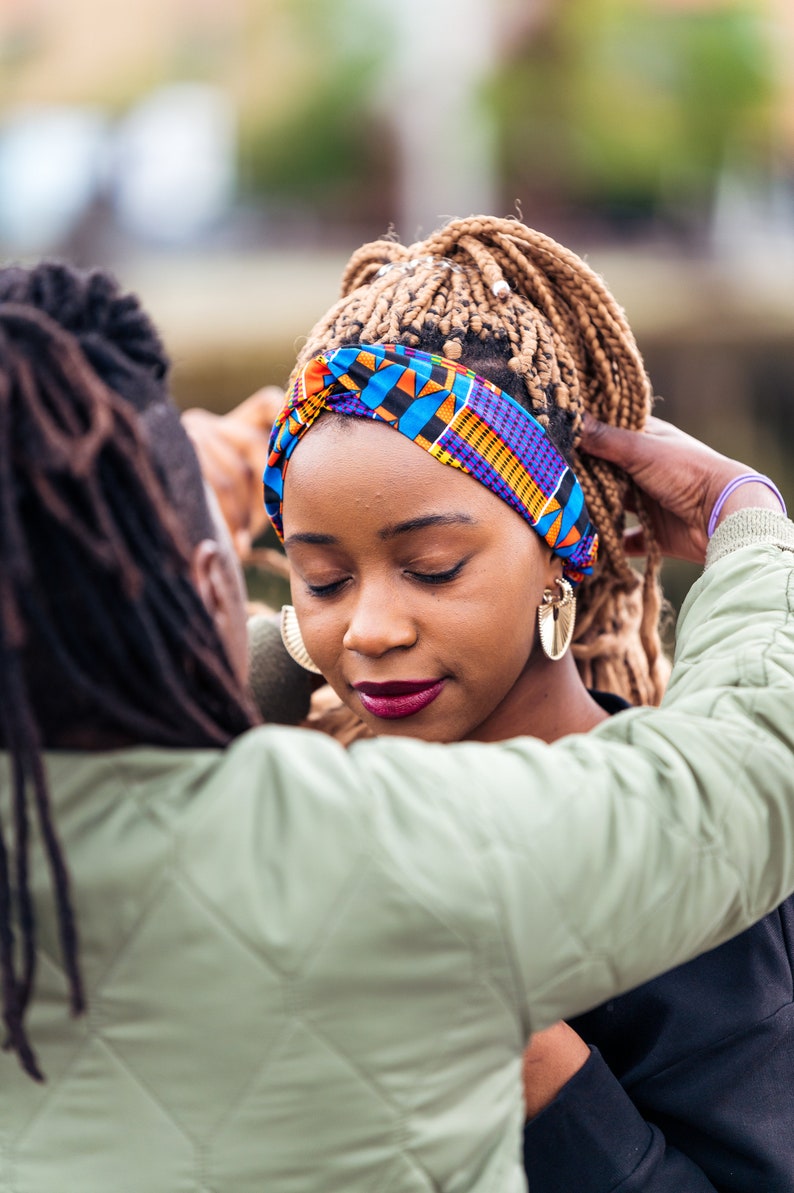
pixel 316 970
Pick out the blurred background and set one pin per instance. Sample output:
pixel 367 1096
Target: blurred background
pixel 224 157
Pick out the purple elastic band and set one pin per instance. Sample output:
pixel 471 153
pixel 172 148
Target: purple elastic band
pixel 744 479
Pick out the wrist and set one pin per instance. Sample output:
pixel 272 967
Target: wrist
pixel 748 490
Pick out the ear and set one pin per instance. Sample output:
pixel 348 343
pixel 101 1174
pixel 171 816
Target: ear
pixel 220 589
pixel 554 570
pixel 205 572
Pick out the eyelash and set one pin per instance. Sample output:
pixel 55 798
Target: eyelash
pixel 323 590
pixel 327 590
pixel 438 577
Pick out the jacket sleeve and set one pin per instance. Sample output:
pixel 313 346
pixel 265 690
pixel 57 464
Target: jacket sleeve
pixel 609 857
pixel 593 1139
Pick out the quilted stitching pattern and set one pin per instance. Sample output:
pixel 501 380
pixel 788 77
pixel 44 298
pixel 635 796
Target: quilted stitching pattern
pixel 191 1105
pixel 273 937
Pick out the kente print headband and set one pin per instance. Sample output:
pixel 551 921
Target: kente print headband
pixel 455 415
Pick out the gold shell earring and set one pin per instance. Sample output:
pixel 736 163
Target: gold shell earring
pixel 556 619
pixel 293 640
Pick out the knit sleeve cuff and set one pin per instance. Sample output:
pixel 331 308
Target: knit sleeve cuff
pixel 748 526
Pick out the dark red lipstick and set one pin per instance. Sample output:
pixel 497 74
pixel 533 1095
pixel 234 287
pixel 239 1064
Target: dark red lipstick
pixel 400 698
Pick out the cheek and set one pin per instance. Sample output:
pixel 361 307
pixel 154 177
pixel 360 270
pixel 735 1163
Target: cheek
pixel 509 649
pixel 321 629
pixel 504 632
pixel 505 599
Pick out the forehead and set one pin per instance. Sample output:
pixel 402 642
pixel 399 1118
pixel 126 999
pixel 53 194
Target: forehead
pixel 367 465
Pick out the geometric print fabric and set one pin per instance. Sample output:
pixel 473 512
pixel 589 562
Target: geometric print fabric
pixel 460 418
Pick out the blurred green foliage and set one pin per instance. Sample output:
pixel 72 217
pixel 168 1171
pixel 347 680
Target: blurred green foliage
pixel 321 140
pixel 624 103
pixel 324 144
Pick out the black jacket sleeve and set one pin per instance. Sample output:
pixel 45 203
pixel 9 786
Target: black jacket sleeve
pixel 593 1139
pixel 690 1084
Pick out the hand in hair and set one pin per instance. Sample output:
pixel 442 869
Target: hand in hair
pixel 679 480
pixel 232 451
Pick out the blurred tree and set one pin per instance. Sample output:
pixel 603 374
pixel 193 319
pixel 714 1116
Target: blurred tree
pixel 323 147
pixel 633 109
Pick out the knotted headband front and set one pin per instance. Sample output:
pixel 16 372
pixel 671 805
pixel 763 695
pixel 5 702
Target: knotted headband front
pixel 455 415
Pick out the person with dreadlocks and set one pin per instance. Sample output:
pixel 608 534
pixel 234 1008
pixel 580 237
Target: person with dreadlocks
pixel 439 602
pixel 281 976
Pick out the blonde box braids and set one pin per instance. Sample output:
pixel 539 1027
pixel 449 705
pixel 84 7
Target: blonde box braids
pixel 504 298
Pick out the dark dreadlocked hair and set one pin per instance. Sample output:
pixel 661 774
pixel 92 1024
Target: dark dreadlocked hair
pixel 101 499
pixel 531 316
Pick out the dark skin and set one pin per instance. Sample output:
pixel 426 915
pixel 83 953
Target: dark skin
pixel 415 571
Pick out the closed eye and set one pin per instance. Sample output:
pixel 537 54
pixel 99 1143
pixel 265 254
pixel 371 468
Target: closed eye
pixel 325 590
pixel 439 577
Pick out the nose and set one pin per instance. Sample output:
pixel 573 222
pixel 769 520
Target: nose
pixel 378 623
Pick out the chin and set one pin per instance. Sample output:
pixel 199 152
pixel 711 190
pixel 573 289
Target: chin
pixel 405 728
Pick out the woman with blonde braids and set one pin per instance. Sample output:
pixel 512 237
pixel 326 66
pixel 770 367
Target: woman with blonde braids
pixel 546 329
pixel 439 603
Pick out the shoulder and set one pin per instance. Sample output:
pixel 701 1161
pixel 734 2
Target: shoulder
pixel 297 825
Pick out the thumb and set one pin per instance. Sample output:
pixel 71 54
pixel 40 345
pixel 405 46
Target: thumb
pixel 613 444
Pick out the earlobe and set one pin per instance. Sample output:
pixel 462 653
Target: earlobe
pixel 554 571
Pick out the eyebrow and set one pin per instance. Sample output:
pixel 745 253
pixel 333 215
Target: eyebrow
pixel 320 540
pixel 428 520
pixel 388 532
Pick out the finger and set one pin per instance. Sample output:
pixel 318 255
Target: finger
pixel 261 409
pixel 197 413
pixel 257 515
pixel 223 471
pixel 242 544
pixel 241 434
pixel 614 444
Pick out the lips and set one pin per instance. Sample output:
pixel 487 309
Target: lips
pixel 400 698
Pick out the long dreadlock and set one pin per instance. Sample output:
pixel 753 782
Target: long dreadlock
pixel 100 626
pixel 531 316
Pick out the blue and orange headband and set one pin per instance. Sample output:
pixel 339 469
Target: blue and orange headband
pixel 455 415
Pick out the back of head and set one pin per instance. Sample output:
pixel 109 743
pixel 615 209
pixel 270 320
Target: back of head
pixel 103 639
pixel 532 317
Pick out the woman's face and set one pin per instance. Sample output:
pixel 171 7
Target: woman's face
pixel 416 588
